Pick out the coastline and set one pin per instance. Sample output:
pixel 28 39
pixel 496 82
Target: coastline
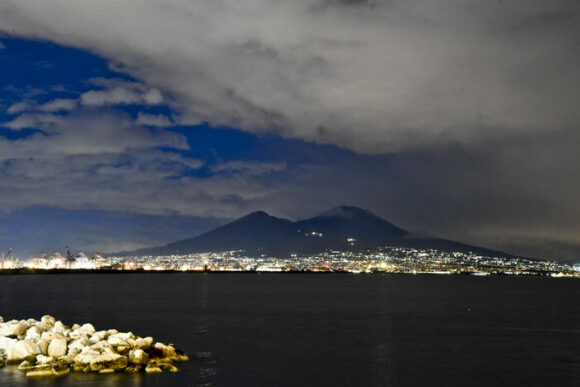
pixel 27 271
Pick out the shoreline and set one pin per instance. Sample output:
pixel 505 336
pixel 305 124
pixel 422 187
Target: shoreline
pixel 25 271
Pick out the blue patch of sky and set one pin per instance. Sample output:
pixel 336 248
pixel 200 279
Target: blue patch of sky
pixel 43 71
pixel 51 230
pixel 29 64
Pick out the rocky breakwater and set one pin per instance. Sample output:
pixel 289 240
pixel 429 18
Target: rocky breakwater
pixel 50 348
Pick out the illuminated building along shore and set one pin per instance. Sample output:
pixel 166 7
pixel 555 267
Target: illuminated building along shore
pixel 380 260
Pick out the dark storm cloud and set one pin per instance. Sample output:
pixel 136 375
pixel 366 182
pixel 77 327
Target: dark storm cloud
pixel 377 76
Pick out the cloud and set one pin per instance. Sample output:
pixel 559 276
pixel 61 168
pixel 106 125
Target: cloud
pixel 369 76
pixel 153 120
pixel 103 159
pixel 250 167
pixel 32 120
pixel 84 132
pixel 121 93
pixel 59 105
pixel 20 107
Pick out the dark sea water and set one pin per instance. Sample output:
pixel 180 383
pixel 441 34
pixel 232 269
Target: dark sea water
pixel 327 329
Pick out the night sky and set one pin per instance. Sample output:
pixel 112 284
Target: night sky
pixel 137 123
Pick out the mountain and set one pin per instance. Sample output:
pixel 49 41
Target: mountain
pixel 253 232
pixel 341 228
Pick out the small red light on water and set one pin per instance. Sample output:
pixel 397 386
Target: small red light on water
pixel 469 309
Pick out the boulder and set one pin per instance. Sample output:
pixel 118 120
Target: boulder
pixel 85 357
pixel 87 329
pixel 57 347
pixel 22 350
pixel 48 320
pixel 98 336
pixel 138 356
pixel 102 346
pixel 42 346
pixel 58 327
pixel 60 370
pixel 78 345
pixel 6 343
pixel 40 372
pixel 168 367
pixel 165 352
pixel 111 332
pixel 144 343
pixel 108 360
pixel 43 327
pixel 181 356
pixel 153 368
pixel 50 348
pixel 13 329
pixel 3 357
pixel 134 368
pixel 32 333
pixel 25 366
pixel 44 360
pixel 68 358
pixel 48 336
pixel 116 340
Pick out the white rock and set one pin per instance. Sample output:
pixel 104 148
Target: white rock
pixel 40 372
pixel 75 334
pixel 138 356
pixel 111 332
pixel 153 368
pixel 116 341
pixel 42 346
pixel 87 329
pixel 102 346
pixel 78 345
pixel 58 327
pixel 41 359
pixel 25 366
pixel 85 357
pixel 124 335
pixel 6 343
pixel 108 360
pixel 98 336
pixel 15 328
pixel 57 348
pixel 167 350
pixel 43 327
pixel 48 319
pixel 32 333
pixel 144 343
pixel 22 350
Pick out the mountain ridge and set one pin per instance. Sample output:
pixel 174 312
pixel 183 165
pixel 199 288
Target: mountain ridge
pixel 340 228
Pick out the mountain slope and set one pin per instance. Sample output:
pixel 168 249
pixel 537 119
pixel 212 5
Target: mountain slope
pixel 254 232
pixel 342 223
pixel 341 228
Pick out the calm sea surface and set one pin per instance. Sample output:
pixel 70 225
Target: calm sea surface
pixel 307 329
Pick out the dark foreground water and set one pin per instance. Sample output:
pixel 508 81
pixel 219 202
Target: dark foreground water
pixel 336 329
